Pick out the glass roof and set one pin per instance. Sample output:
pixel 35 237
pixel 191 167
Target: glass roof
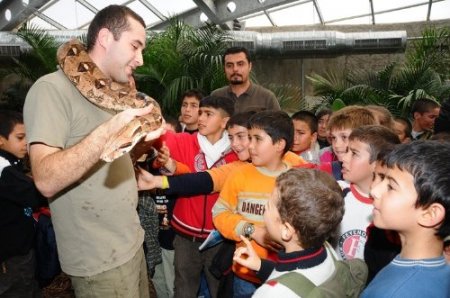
pixel 76 14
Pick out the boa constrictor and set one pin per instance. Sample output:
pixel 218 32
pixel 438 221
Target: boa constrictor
pixel 109 95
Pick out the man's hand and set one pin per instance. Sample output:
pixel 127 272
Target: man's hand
pixel 246 256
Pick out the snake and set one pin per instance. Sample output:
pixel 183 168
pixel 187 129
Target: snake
pixel 102 91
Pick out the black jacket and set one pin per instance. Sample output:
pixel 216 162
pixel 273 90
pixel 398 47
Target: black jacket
pixel 18 198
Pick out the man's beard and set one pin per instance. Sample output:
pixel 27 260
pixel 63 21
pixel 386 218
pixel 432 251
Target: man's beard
pixel 236 82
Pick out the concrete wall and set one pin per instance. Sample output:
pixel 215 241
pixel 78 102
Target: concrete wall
pixel 293 71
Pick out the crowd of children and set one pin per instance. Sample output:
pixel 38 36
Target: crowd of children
pixel 296 198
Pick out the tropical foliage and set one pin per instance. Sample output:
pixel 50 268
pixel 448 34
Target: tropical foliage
pixel 396 86
pixel 182 58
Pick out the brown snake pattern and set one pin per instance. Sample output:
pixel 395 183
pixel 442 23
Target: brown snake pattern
pixel 108 95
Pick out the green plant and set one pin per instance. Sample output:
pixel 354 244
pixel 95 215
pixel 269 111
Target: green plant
pixel 182 58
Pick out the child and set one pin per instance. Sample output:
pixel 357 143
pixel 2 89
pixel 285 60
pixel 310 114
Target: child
pixel 382 115
pixel 358 168
pixel 424 112
pixel 302 212
pixel 403 128
pixel 323 116
pixel 340 127
pixel 18 198
pixel 189 110
pixel 240 207
pixel 305 136
pixel 414 200
pixel 192 220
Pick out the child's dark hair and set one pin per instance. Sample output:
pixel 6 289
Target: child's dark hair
pixel 427 162
pixel 236 50
pixel 193 93
pixel 277 124
pixel 312 202
pixel 423 105
pixel 9 119
pixel 377 137
pixel 240 119
pixel 307 117
pixel 219 103
pixel 322 112
pixel 407 124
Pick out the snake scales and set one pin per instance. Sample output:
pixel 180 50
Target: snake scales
pixel 109 95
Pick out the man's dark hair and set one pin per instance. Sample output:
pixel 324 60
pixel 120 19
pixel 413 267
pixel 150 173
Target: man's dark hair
pixel 219 103
pixel 9 119
pixel 240 119
pixel 307 117
pixel 236 50
pixel 115 19
pixel 277 124
pixel 427 162
pixel 193 93
pixel 312 202
pixel 377 137
pixel 424 105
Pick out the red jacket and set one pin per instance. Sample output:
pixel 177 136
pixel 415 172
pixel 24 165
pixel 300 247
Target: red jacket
pixel 193 215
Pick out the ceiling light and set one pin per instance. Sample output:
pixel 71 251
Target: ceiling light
pixel 8 15
pixel 203 17
pixel 231 6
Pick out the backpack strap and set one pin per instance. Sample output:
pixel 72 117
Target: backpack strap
pixel 296 282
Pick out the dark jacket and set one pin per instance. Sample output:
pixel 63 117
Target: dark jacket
pixel 18 198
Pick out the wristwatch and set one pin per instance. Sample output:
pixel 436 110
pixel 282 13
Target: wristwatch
pixel 248 229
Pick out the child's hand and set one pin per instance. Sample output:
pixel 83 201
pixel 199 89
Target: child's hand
pixel 163 154
pixel 246 256
pixel 146 181
pixel 261 236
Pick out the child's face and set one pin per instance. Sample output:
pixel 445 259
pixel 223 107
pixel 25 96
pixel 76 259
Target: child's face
pixel 303 138
pixel 16 143
pixel 339 141
pixel 263 152
pixel 322 126
pixel 426 120
pixel 356 165
pixel 211 121
pixel 447 253
pixel 394 199
pixel 272 218
pixel 239 141
pixel 189 110
pixel 400 130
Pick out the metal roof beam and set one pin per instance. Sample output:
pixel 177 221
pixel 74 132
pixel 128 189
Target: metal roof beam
pixel 19 13
pixel 153 9
pixel 319 12
pixel 88 5
pixel 50 21
pixel 243 8
pixel 372 12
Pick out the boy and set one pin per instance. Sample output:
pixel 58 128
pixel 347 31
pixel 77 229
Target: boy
pixel 189 110
pixel 424 112
pixel 340 126
pixel 414 200
pixel 358 167
pixel 240 207
pixel 323 116
pixel 192 220
pixel 18 198
pixel 305 136
pixel 403 128
pixel 303 211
